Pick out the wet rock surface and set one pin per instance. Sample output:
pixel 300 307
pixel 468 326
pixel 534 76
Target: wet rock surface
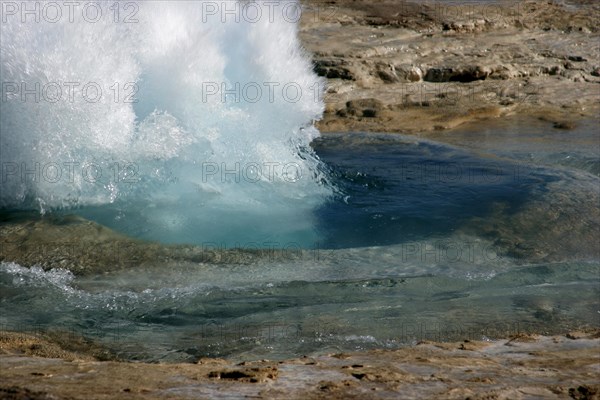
pixel 84 247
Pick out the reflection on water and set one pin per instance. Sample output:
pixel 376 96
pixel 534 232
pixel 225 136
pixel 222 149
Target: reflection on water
pixel 533 141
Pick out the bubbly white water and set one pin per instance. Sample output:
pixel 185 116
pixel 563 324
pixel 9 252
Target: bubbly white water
pixel 187 113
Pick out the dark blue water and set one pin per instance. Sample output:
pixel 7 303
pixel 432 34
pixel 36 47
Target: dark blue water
pixel 394 189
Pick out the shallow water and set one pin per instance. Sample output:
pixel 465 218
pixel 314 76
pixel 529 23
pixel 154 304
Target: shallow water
pixel 533 141
pixel 403 254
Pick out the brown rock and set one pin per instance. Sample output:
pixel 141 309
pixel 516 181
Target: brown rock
pixel 249 374
pixel 460 74
pixel 408 73
pixel 368 108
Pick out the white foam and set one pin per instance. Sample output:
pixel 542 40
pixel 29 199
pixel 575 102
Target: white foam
pixel 161 151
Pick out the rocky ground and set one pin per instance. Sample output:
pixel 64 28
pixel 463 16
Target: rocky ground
pixel 394 66
pixel 521 367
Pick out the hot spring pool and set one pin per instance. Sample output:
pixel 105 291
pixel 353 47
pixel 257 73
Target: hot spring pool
pixel 201 131
pixel 407 249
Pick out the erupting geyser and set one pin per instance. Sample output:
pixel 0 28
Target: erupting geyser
pixel 178 121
